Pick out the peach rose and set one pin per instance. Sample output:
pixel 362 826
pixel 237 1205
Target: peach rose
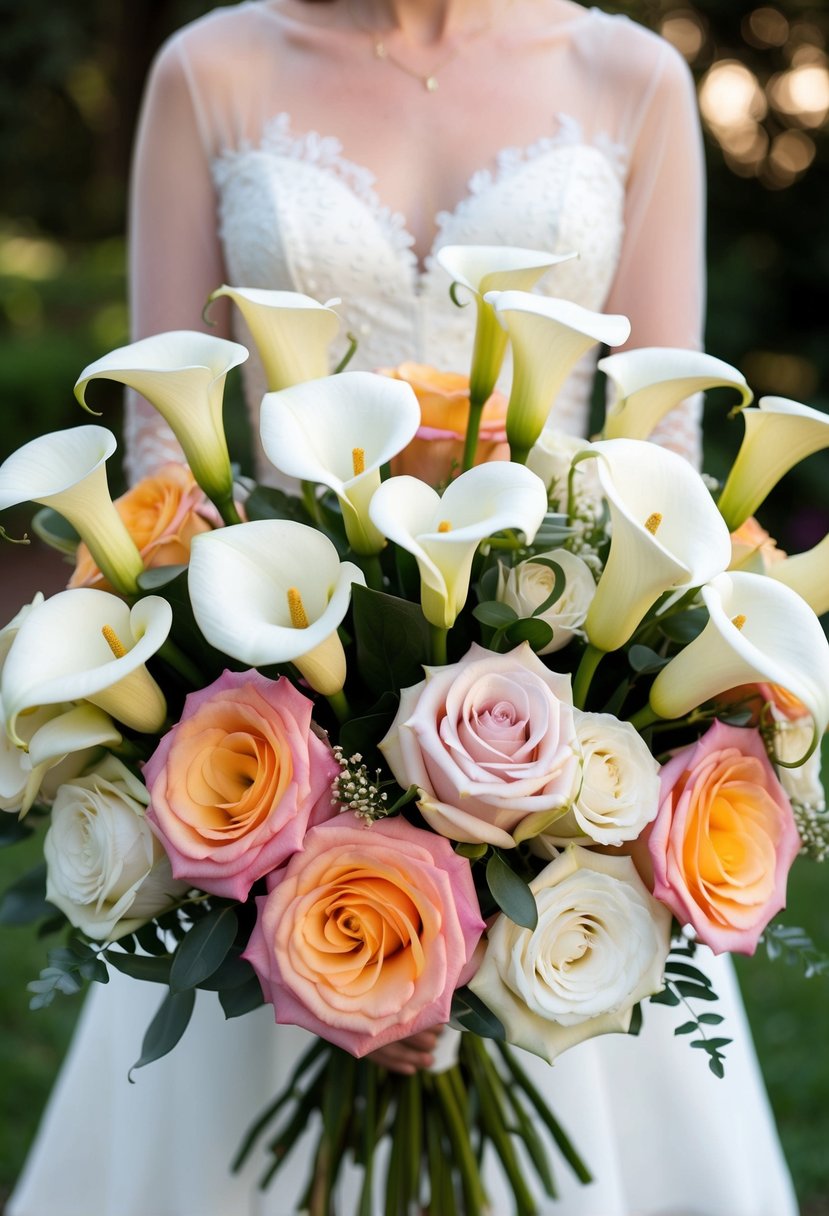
pixel 162 515
pixel 752 546
pixel 436 451
pixel 236 783
pixel 724 839
pixel 366 934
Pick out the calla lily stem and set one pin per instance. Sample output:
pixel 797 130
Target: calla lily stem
pixel 644 717
pixel 339 703
pixel 371 568
pixel 476 409
pixel 175 658
pixel 437 645
pixel 581 684
pixel 227 509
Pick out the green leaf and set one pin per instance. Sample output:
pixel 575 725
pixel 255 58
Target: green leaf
pixel 685 626
pixel 494 614
pixel 159 576
pixel 674 967
pixel 474 1015
pixel 687 1028
pixel 510 892
pixel 237 1001
pixel 538 633
pixel 742 718
pixel 142 966
pixel 266 502
pixel 204 948
pixel 710 1019
pixel 392 638
pixel 644 660
pixel 55 531
pixel 635 1020
pixel 474 852
pixel 716 1065
pixel 666 997
pixel 487 587
pixel 694 992
pixel 166 1028
pixel 25 900
pixel 232 973
pixel 360 735
pixel 559 584
pixel 12 830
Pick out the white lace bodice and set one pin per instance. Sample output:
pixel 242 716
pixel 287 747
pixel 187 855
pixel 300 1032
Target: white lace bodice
pixel 290 210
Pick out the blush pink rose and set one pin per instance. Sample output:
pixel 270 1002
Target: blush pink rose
pixel 366 934
pixel 236 783
pixel 724 839
pixel 491 744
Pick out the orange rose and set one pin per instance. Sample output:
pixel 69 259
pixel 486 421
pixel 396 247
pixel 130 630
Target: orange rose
pixel 751 543
pixel 162 515
pixel 436 451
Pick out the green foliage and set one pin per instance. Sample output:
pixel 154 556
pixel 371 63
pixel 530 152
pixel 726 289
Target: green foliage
pixel 392 640
pixel 510 892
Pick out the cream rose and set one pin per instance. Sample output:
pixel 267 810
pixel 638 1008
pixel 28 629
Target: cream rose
pixel 104 868
pixel 803 784
pixel 526 586
pixel 619 794
pixel 598 949
pixel 552 458
pixel 490 743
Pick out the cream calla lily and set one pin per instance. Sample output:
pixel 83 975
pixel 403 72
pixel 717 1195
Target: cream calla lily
pixel 274 591
pixel 182 374
pixel 486 268
pixel 292 332
pixel 338 432
pixel 651 381
pixel 548 338
pixel 442 533
pixel 759 630
pixel 66 470
pixel 807 574
pixel 667 534
pixel 87 645
pixel 779 433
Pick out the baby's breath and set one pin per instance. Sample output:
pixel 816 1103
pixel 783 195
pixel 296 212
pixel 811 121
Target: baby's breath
pixel 353 789
pixel 813 826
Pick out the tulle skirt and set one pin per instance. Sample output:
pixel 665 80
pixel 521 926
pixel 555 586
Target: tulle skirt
pixel 661 1134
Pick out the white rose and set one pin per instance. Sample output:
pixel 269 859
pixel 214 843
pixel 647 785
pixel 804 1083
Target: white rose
pixel 599 948
pixel 103 861
pixel 619 793
pixel 525 586
pixel 803 784
pixel 552 458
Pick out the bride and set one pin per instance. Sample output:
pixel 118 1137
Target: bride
pixel 331 148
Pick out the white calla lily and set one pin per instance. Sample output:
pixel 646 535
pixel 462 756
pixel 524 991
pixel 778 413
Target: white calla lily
pixel 779 433
pixel 548 338
pixel 653 380
pixel 759 630
pixel 292 332
pixel 807 574
pixel 87 645
pixel 182 374
pixel 274 591
pixel 442 533
pixel 338 432
pixel 66 470
pixel 667 534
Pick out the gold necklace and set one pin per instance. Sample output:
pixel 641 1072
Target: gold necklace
pixel 429 80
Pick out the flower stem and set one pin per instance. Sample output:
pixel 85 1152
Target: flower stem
pixel 339 703
pixel 371 568
pixel 581 684
pixel 186 668
pixel 644 717
pixel 437 647
pixel 518 455
pixel 473 426
pixel 227 509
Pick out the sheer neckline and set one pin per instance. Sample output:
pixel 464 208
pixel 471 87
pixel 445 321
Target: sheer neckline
pixel 325 152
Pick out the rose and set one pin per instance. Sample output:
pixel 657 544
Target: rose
pixel 598 949
pixel 366 934
pixel 619 794
pixel 104 868
pixel 490 743
pixel 437 448
pixel 236 783
pixel 753 548
pixel 525 587
pixel 724 839
pixel 552 459
pixel 803 784
pixel 162 515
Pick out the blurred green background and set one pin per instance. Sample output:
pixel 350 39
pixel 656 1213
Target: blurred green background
pixel 70 88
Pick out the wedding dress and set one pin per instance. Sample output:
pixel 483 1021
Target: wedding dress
pixel 600 155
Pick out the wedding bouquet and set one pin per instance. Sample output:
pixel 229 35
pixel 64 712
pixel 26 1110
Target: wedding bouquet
pixel 496 743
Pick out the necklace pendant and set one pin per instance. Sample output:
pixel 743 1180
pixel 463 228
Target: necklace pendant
pixel 430 84
pixel 380 51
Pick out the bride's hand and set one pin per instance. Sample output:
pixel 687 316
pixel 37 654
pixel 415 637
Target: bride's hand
pixel 406 1056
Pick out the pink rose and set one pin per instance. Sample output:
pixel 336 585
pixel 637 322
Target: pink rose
pixel 236 783
pixel 491 744
pixel 724 839
pixel 366 934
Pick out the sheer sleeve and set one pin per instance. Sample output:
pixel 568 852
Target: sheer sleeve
pixel 175 257
pixel 660 282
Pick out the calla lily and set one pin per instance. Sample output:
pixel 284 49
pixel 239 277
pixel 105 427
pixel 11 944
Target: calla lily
pixel 181 373
pixel 338 432
pixel 667 534
pixel 778 434
pixel 274 591
pixel 485 268
pixel 66 470
pixel 651 381
pixel 87 645
pixel 807 574
pixel 548 338
pixel 292 332
pixel 442 533
pixel 758 631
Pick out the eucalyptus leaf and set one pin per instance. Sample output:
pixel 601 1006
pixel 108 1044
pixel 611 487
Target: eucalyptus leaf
pixel 147 967
pixel 494 613
pixel 154 579
pixel 238 1001
pixel 559 584
pixel 266 502
pixel 510 892
pixel 687 1028
pixel 538 633
pixel 644 660
pixel 232 973
pixel 25 900
pixel 204 948
pixel 685 626
pixel 166 1028
pixel 55 531
pixel 471 1013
